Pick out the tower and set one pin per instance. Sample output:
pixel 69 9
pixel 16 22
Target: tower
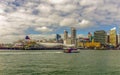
pixel 113 37
pixel 58 37
pixel 73 35
pixel 65 36
pixel 119 36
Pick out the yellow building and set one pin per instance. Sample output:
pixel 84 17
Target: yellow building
pixel 92 45
pixel 80 44
pixel 113 37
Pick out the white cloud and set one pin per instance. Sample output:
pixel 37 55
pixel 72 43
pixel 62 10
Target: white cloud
pixel 42 36
pixel 11 38
pixel 66 8
pixel 17 17
pixel 82 35
pixel 90 2
pixel 68 22
pixel 1 11
pixel 43 29
pixel 58 1
pixel 44 8
pixel 3 20
pixel 84 23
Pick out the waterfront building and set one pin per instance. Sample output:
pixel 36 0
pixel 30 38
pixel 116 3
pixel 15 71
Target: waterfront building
pixel 119 37
pixel 18 44
pixel 58 37
pixel 100 36
pixel 73 35
pixel 65 36
pixel 113 37
pixel 69 41
pixel 81 42
pixel 90 36
pixel 108 37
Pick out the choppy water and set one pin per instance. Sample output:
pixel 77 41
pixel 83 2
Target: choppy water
pixel 94 62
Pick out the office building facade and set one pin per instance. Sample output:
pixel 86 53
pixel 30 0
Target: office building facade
pixel 73 35
pixel 65 36
pixel 113 37
pixel 58 37
pixel 100 36
pixel 119 37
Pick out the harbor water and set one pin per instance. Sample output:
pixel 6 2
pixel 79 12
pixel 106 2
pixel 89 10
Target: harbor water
pixel 55 62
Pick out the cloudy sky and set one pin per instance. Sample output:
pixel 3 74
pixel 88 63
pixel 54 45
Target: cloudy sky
pixel 45 18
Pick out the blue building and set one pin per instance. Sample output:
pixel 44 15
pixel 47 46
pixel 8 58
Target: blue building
pixel 58 37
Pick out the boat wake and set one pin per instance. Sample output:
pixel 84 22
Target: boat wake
pixel 8 53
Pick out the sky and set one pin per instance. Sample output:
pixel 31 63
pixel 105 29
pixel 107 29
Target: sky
pixel 41 19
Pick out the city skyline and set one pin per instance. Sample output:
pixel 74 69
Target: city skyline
pixel 46 18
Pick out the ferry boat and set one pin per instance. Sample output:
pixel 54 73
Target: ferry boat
pixel 71 50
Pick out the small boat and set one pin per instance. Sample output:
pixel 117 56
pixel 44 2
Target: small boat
pixel 71 50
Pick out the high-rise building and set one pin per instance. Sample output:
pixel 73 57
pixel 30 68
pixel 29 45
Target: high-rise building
pixel 119 37
pixel 113 37
pixel 65 34
pixel 58 37
pixel 73 35
pixel 100 36
pixel 69 41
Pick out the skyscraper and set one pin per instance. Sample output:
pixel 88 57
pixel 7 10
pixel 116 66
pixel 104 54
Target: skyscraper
pixel 119 37
pixel 113 37
pixel 100 36
pixel 58 37
pixel 65 36
pixel 73 35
